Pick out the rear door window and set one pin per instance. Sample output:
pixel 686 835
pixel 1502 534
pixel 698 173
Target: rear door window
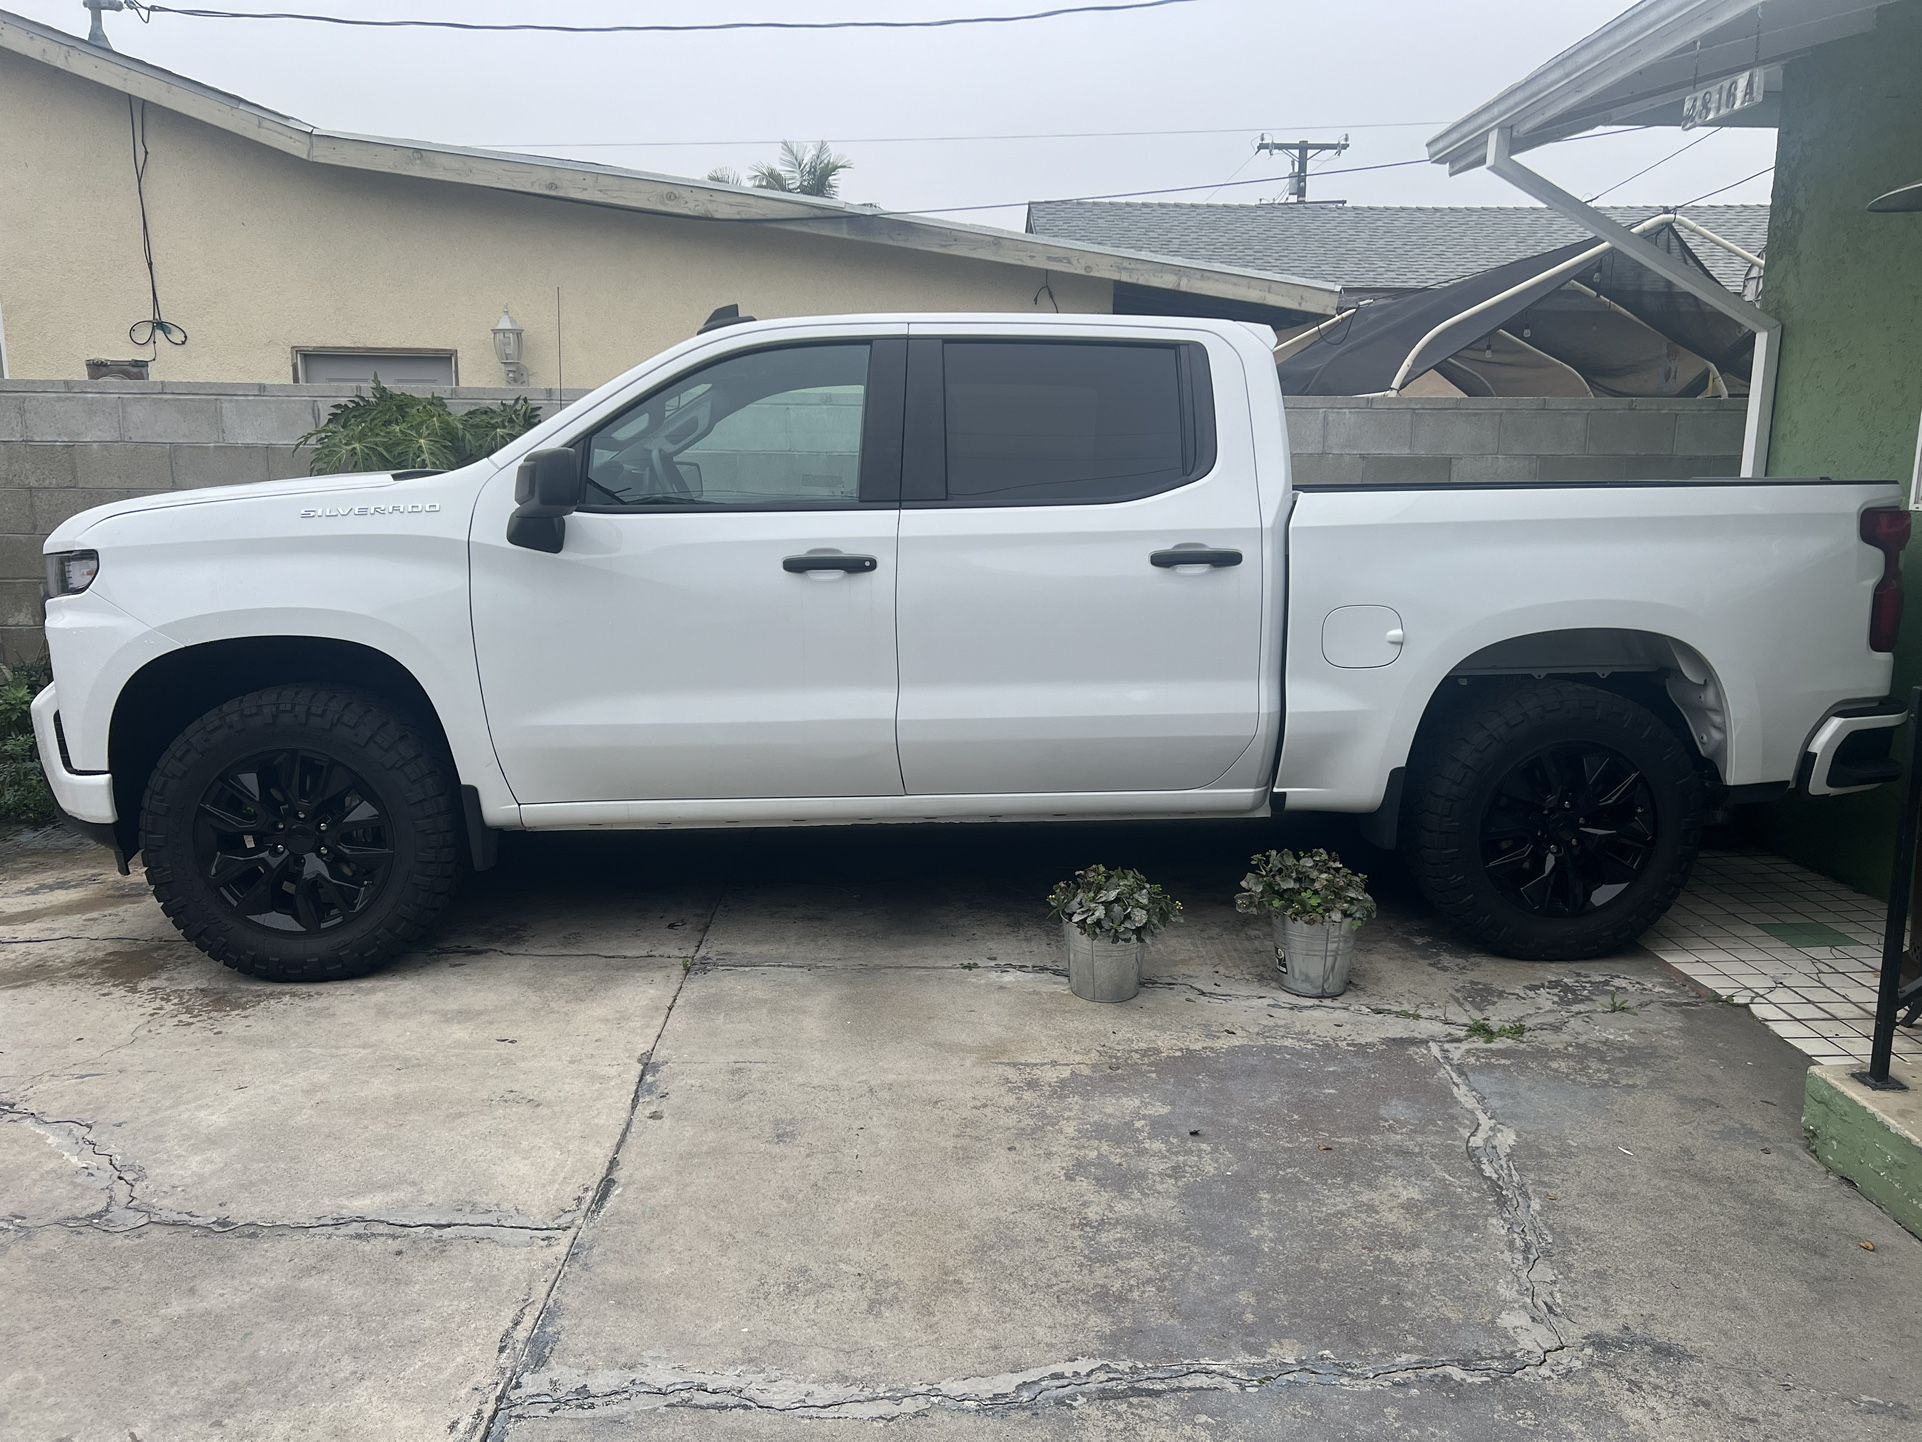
pixel 1046 423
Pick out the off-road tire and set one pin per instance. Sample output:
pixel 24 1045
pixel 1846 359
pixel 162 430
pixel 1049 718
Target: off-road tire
pixel 1456 769
pixel 366 735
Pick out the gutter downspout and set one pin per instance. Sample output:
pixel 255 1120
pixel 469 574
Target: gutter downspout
pixel 1768 330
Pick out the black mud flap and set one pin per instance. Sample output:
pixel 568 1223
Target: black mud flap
pixel 101 833
pixel 483 841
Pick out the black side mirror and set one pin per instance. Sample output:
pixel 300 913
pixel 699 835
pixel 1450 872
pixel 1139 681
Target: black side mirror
pixel 548 485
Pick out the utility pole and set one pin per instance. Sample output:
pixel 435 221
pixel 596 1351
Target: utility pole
pixel 97 32
pixel 1302 150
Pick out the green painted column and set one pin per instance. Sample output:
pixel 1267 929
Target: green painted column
pixel 1847 287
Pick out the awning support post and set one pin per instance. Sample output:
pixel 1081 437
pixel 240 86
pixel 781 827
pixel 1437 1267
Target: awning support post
pixel 1761 398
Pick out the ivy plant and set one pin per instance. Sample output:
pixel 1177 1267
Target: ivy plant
pixel 1118 905
pixel 1311 886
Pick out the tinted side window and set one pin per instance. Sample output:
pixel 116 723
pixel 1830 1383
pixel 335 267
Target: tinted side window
pixel 1036 422
pixel 769 428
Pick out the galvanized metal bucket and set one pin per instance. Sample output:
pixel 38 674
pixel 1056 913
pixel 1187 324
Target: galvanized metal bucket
pixel 1102 970
pixel 1315 958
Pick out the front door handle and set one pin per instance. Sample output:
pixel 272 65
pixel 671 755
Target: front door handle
pixel 1194 556
pixel 828 561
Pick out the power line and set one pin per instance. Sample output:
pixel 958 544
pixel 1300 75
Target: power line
pixel 1250 160
pixel 1162 190
pixel 146 11
pixel 944 139
pixel 1167 189
pixel 858 213
pixel 1710 194
pixel 1654 165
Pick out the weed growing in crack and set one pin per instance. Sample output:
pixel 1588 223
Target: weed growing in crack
pixel 1615 1003
pixel 1482 1030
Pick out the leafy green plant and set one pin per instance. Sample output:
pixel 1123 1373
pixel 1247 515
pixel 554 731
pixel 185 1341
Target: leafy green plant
pixel 390 430
pixel 1484 1031
pixel 1311 886
pixel 1116 905
pixel 23 786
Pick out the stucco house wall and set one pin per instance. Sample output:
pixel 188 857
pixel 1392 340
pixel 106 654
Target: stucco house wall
pixel 258 253
pixel 1847 286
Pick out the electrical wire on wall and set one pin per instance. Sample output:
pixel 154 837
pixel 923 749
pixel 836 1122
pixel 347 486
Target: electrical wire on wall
pixel 155 327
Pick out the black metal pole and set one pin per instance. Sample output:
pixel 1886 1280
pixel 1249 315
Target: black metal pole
pixel 1895 932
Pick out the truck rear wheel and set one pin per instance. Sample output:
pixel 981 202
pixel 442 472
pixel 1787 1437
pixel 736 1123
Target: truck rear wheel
pixel 301 833
pixel 1553 821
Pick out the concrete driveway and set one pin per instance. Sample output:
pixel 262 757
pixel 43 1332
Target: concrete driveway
pixel 801 1135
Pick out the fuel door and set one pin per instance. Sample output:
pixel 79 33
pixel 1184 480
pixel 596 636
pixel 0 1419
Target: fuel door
pixel 1361 637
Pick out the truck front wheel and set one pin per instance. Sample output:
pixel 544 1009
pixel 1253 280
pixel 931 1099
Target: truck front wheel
pixel 1553 821
pixel 301 833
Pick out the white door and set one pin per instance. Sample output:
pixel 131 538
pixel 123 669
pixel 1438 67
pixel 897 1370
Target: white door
pixel 1052 640
pixel 719 622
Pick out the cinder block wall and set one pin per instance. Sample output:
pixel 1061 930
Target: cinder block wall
pixel 69 445
pixel 66 446
pixel 1381 440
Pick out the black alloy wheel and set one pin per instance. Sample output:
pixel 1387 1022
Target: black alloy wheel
pixel 1551 820
pixel 303 832
pixel 1568 829
pixel 293 840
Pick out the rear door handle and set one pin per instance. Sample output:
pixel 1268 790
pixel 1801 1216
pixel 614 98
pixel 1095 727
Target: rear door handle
pixel 828 561
pixel 1194 556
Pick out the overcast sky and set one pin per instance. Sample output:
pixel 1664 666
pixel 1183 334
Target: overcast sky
pixel 1389 73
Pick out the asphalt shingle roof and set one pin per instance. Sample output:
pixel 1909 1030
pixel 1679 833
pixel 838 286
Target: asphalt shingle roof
pixel 1366 246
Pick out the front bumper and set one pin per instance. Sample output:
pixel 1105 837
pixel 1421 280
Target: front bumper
pixel 85 796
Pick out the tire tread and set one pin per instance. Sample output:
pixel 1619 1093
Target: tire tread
pixel 425 800
pixel 1442 850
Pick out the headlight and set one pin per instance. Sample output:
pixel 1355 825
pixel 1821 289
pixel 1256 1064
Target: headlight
pixel 71 572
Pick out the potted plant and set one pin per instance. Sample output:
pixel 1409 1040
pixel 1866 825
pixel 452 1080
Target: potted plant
pixel 1317 905
pixel 1106 915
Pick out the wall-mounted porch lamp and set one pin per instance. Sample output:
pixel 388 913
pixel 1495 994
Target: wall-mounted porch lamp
pixel 507 348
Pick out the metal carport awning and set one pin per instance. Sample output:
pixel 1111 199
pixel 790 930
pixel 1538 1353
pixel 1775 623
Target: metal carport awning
pixel 1560 297
pixel 1638 69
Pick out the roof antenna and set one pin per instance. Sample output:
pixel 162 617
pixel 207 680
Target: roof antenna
pixel 97 32
pixel 724 315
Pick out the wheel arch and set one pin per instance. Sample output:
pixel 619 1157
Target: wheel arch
pixel 168 693
pixel 1661 672
pixel 1666 674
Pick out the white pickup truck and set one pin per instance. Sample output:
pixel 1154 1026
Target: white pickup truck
pixel 886 568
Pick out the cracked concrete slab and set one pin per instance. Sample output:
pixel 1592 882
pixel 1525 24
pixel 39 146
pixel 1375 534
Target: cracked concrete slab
pixel 53 886
pixel 633 901
pixel 1626 1397
pixel 942 1182
pixel 1691 1220
pixel 868 1165
pixel 164 1334
pixel 477 1089
pixel 481 1089
pixel 954 897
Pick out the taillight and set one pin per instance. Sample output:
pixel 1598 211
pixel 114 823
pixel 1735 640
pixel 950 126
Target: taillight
pixel 1886 529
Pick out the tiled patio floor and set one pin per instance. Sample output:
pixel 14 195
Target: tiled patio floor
pixel 1799 950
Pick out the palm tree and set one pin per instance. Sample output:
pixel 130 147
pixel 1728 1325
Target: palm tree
pixel 801 170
